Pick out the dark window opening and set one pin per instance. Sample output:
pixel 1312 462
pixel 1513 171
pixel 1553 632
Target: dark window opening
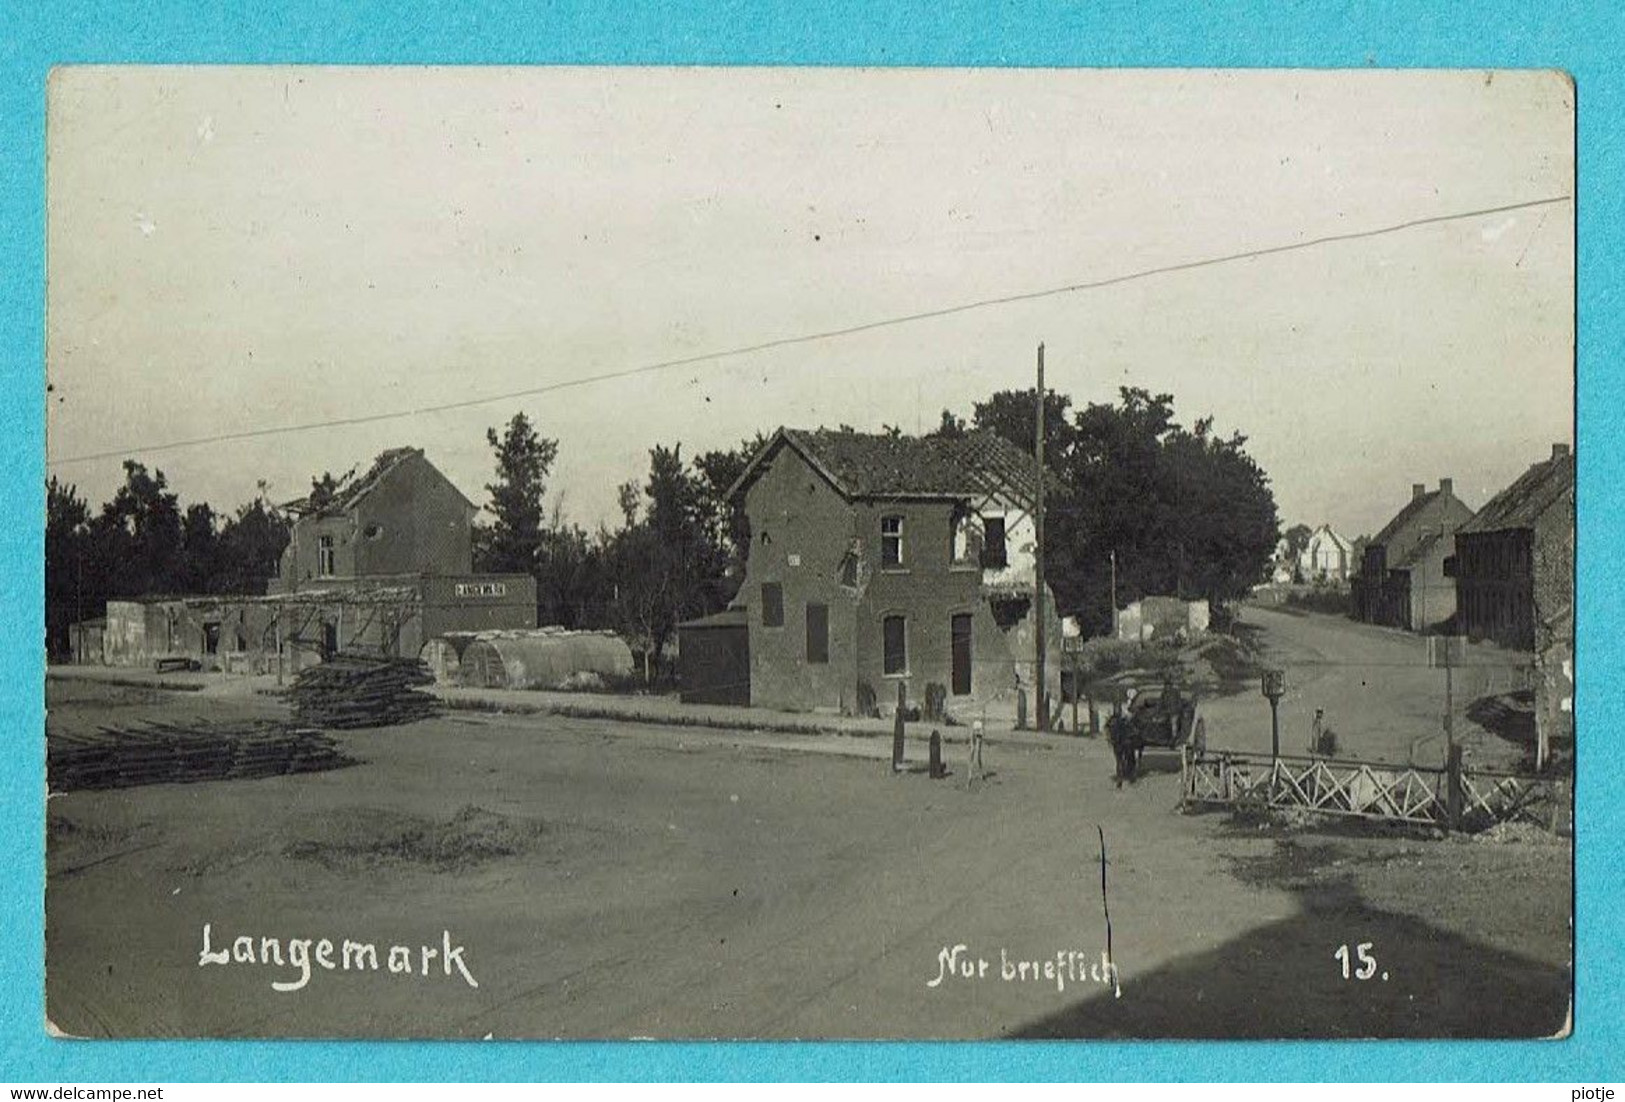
pixel 1010 611
pixel 994 555
pixel 894 645
pixel 772 605
pixel 326 565
pixel 849 570
pixel 211 637
pixel 960 643
pixel 817 633
pixel 891 541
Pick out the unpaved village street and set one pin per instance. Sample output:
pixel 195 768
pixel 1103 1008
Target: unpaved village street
pixel 607 880
pixel 1380 696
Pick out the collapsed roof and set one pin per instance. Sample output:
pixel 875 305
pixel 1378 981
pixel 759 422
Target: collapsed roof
pixel 350 490
pixel 879 465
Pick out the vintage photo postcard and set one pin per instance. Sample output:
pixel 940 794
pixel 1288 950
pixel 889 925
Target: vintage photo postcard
pixel 777 553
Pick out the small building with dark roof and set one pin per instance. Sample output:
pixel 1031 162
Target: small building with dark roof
pixel 1514 561
pixel 881 562
pixel 1401 580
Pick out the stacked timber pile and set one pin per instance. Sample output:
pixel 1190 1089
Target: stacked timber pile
pixel 177 753
pixel 355 691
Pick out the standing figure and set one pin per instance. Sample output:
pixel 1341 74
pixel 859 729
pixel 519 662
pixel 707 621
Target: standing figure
pixel 1125 746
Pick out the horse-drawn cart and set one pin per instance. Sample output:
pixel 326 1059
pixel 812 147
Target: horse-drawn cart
pixel 1161 719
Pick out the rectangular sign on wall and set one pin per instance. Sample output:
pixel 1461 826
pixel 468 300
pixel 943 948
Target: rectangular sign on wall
pixel 481 589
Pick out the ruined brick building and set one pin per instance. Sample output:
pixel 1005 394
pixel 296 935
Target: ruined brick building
pixel 381 567
pixel 884 560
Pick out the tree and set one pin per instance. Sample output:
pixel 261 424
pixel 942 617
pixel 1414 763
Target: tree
pixel 136 540
pixel 1187 513
pixel 730 527
pixel 1297 542
pixel 951 427
pixel 571 579
pixel 629 497
pixel 671 565
pixel 66 543
pixel 200 565
pixel 642 605
pixel 250 547
pixel 523 459
pixel 142 543
pixel 1357 551
pixel 1011 414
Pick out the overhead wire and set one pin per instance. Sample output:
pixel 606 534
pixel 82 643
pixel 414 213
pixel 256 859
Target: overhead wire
pixel 807 338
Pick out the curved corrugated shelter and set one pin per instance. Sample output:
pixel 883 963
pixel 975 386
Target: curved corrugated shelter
pixel 444 656
pixel 544 660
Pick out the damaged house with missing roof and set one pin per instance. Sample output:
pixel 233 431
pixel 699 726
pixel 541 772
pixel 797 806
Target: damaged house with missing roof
pixel 380 567
pixel 879 561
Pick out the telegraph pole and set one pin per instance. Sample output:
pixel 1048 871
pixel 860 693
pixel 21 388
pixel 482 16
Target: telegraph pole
pixel 1114 593
pixel 1038 523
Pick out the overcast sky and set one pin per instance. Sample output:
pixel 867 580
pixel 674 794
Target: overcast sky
pixel 236 249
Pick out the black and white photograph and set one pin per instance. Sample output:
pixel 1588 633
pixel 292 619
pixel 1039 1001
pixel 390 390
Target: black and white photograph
pixel 809 553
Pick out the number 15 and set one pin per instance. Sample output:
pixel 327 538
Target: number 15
pixel 1368 963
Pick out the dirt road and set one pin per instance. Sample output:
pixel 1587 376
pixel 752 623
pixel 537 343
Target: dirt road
pixel 628 882
pixel 1380 697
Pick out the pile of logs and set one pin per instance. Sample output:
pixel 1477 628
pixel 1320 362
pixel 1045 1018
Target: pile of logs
pixel 355 691
pixel 177 753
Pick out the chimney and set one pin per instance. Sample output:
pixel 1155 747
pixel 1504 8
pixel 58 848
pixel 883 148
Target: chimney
pixel 1560 451
pixel 1447 487
pixel 1417 490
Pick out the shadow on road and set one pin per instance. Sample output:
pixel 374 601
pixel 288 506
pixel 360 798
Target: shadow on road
pixel 1283 981
pixel 1509 716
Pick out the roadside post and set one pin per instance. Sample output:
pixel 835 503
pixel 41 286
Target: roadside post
pixel 897 730
pixel 1274 688
pixel 974 771
pixel 937 769
pixel 1071 648
pixel 1453 794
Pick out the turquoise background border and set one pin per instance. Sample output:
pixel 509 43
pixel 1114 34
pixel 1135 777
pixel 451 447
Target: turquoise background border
pixel 1583 38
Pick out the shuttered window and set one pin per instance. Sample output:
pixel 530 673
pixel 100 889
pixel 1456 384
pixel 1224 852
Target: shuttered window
pixel 772 605
pixel 817 633
pixel 894 644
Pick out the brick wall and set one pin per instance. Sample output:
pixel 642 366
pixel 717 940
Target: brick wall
pixel 801 530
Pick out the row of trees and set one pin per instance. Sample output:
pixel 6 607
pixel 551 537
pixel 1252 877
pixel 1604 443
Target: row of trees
pixel 143 542
pixel 677 553
pixel 1182 511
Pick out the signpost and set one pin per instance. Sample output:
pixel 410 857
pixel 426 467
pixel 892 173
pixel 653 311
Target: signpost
pixel 1274 688
pixel 1448 651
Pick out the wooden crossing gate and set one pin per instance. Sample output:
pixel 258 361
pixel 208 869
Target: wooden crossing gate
pixel 1468 799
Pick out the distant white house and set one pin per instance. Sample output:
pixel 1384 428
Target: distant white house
pixel 1327 557
pixel 1283 566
